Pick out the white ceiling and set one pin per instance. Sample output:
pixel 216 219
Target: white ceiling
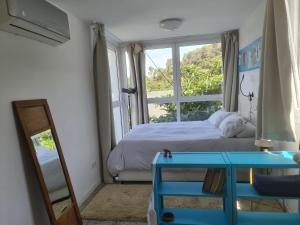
pixel 135 20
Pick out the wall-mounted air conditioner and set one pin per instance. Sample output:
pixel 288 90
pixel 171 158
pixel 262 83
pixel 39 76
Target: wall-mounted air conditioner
pixel 35 19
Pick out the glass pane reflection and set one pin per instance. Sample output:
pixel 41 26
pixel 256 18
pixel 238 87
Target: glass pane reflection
pixel 48 158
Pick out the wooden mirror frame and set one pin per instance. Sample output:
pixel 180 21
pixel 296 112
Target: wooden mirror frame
pixel 34 116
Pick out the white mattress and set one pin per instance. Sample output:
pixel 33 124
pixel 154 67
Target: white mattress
pixel 137 150
pixel 51 169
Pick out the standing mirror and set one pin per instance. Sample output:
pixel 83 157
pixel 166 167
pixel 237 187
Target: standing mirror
pixel 41 139
pixel 49 162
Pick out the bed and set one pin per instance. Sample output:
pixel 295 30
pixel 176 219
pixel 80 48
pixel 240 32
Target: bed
pixel 131 159
pixel 52 173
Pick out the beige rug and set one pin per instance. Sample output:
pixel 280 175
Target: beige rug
pixel 119 202
pixel 129 202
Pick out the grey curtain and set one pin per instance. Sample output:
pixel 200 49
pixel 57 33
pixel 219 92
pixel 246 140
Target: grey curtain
pixel 103 99
pixel 139 107
pixel 230 51
pixel 275 103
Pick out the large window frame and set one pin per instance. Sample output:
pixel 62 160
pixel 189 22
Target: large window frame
pixel 175 45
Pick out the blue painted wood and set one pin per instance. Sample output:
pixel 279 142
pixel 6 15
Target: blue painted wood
pixel 233 196
pixel 233 190
pixel 244 190
pixel 156 180
pixel 268 218
pixel 280 159
pixel 190 216
pixel 196 217
pixel 227 198
pixel 184 189
pixel 192 159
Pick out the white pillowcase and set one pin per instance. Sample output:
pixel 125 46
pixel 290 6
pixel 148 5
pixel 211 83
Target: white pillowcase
pixel 248 131
pixel 232 125
pixel 217 117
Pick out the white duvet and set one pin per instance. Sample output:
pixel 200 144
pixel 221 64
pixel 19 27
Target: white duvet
pixel 137 150
pixel 51 168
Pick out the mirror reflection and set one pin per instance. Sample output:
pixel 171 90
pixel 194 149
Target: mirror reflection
pixel 52 171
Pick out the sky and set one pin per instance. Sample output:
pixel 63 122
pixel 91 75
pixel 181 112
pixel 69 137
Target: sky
pixel 160 56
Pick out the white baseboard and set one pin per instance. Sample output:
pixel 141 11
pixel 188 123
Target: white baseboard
pixel 87 194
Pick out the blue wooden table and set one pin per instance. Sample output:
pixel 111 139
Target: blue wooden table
pixel 169 188
pixel 230 161
pixel 276 160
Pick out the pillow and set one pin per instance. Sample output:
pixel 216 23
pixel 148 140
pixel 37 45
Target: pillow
pixel 232 125
pixel 217 117
pixel 277 185
pixel 248 131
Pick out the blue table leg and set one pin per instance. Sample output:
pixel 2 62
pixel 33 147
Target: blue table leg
pixel 228 202
pixel 158 201
pixel 233 196
pixel 299 201
pixel 227 197
pixel 299 206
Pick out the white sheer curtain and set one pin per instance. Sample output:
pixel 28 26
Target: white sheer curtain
pixel 293 7
pixel 275 118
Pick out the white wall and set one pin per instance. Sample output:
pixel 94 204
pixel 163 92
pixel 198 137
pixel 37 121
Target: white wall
pixel 250 30
pixel 30 70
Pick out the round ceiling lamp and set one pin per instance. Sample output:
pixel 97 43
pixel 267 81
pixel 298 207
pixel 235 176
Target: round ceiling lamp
pixel 170 23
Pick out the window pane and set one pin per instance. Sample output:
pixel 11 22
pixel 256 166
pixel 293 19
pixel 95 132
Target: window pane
pixel 201 69
pixel 159 72
pixel 193 111
pixel 118 123
pixel 128 71
pixel 159 113
pixel 113 69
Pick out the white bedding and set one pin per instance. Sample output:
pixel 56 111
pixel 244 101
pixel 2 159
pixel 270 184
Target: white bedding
pixel 51 169
pixel 137 150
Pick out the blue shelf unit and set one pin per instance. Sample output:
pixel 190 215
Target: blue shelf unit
pixel 232 191
pixel 189 216
pixel 277 160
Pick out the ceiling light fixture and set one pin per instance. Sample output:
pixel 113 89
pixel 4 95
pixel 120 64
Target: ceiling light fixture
pixel 170 23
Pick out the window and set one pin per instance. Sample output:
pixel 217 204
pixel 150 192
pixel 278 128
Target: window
pixel 115 90
pixel 165 112
pixel 201 70
pixel 159 73
pixel 184 82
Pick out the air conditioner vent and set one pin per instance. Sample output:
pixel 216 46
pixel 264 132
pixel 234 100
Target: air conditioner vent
pixel 35 19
